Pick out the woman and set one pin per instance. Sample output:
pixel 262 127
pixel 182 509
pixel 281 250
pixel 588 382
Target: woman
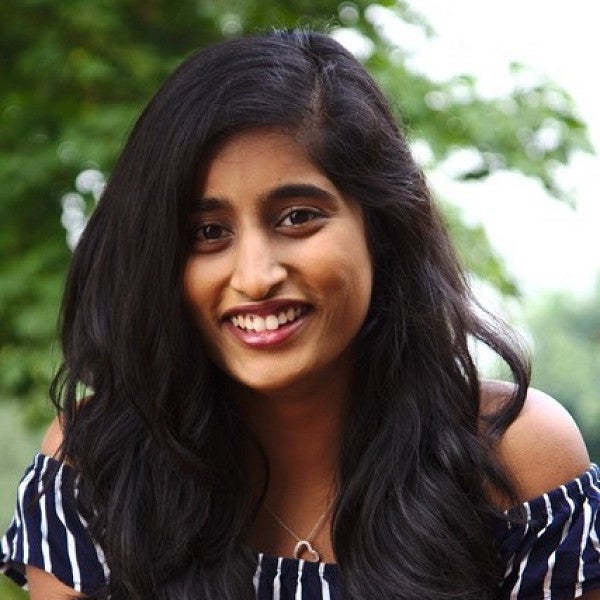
pixel 274 329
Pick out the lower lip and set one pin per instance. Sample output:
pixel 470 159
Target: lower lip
pixel 267 338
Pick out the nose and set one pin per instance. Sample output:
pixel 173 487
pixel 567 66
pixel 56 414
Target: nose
pixel 257 272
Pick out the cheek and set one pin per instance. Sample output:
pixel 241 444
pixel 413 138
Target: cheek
pixel 196 294
pixel 346 281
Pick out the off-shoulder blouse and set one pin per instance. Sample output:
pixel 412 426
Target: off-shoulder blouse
pixel 552 554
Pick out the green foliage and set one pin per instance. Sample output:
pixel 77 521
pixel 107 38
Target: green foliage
pixel 476 253
pixel 9 591
pixel 566 334
pixel 75 74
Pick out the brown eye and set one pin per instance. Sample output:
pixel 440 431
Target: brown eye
pixel 211 232
pixel 299 217
pixel 209 237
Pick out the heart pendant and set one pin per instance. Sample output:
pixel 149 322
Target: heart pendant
pixel 305 546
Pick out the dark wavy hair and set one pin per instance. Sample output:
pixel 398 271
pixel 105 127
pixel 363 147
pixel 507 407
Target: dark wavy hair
pixel 162 483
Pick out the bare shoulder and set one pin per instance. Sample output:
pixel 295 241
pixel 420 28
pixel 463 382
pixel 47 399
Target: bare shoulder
pixel 543 448
pixel 53 439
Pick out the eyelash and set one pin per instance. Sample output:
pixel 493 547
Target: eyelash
pixel 201 230
pixel 312 213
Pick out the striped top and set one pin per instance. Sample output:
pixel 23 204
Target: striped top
pixel 554 554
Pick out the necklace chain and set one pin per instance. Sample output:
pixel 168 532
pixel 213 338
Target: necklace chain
pixel 314 531
pixel 303 544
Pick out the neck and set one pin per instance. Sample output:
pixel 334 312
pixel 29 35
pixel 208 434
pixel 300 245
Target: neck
pixel 300 435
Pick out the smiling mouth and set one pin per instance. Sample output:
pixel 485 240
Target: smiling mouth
pixel 269 322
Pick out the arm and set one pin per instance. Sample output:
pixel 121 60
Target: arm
pixel 42 585
pixel 542 450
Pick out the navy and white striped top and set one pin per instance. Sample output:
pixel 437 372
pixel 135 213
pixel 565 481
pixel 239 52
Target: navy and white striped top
pixel 554 555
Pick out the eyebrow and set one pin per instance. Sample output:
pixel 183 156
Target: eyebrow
pixel 281 192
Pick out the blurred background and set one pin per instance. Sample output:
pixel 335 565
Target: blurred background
pixel 496 99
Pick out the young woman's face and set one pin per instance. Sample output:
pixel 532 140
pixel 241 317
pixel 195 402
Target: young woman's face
pixel 279 273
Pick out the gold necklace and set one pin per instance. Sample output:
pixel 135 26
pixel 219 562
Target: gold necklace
pixel 303 544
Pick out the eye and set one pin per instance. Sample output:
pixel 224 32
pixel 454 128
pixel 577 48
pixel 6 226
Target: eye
pixel 210 232
pixel 208 237
pixel 300 216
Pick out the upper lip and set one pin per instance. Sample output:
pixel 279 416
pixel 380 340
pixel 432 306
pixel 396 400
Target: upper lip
pixel 262 309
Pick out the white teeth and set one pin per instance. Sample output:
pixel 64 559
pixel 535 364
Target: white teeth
pixel 259 324
pixel 269 322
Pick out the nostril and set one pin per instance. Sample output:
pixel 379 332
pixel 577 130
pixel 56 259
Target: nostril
pixel 257 279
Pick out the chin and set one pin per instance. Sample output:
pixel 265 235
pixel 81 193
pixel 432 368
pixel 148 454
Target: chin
pixel 268 387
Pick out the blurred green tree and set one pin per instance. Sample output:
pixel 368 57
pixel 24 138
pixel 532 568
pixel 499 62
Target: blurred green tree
pixel 75 74
pixel 566 349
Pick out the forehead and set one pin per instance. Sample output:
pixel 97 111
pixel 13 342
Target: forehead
pixel 256 138
pixel 259 157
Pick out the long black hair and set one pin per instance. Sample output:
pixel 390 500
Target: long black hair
pixel 161 479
